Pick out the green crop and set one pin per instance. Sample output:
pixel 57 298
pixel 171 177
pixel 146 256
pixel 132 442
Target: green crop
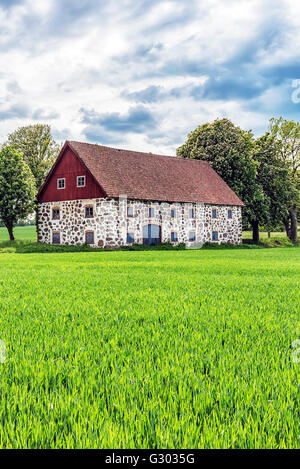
pixel 181 349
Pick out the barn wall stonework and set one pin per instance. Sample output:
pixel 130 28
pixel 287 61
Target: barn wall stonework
pixel 111 224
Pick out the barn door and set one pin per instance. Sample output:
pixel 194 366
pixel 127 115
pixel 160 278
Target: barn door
pixel 151 234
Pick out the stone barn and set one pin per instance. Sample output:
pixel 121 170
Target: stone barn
pixel 103 196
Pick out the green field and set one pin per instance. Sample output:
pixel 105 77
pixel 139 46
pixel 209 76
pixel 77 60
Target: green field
pixel 187 349
pixel 26 233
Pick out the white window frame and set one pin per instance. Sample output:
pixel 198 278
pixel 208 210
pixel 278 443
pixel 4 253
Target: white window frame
pixel 132 208
pixel 192 240
pixel 61 179
pixel 83 180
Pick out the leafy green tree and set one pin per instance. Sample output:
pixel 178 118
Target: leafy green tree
pixel 274 178
pixel 38 148
pixel 17 188
pixel 287 133
pixel 229 150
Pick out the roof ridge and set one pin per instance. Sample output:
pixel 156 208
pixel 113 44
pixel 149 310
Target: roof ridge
pixel 135 151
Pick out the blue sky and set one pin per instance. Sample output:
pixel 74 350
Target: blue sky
pixel 142 74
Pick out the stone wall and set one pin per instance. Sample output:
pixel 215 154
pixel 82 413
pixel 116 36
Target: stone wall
pixel 111 224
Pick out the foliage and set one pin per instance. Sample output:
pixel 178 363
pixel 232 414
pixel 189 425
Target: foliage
pixel 274 177
pixel 229 150
pixel 37 147
pixel 254 169
pixel 187 349
pixel 287 133
pixel 17 188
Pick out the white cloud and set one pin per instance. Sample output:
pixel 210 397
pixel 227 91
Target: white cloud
pixel 208 59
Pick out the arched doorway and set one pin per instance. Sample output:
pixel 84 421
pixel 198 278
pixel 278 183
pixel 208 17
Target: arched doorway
pixel 151 234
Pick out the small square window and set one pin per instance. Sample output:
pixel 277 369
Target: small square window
pixel 56 237
pixel 192 213
pixel 229 213
pixel 55 214
pixel 214 213
pixel 174 237
pixel 151 212
pixel 80 181
pixel 130 211
pixel 130 238
pixel 192 236
pixel 61 183
pixel 215 236
pixel 89 237
pixel 173 213
pixel 89 211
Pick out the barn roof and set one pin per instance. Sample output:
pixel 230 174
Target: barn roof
pixel 148 176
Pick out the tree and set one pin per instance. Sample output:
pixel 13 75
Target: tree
pixel 38 148
pixel 229 150
pixel 274 178
pixel 17 188
pixel 287 133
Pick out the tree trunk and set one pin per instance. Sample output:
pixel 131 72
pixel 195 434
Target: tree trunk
pixel 10 230
pixel 255 232
pixel 293 230
pixel 291 225
pixel 269 234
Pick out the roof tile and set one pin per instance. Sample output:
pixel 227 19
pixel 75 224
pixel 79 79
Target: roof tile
pixel 148 176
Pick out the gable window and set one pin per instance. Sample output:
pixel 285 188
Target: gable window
pixel 215 236
pixel 80 181
pixel 61 183
pixel 229 212
pixel 151 212
pixel 192 236
pixel 56 237
pixel 192 213
pixel 89 211
pixel 174 236
pixel 130 211
pixel 55 213
pixel 130 237
pixel 173 213
pixel 214 213
pixel 89 237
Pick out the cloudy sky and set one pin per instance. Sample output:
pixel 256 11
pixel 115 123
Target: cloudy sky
pixel 141 74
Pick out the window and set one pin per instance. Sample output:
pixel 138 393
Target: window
pixel 80 181
pixel 130 238
pixel 55 213
pixel 192 213
pixel 174 237
pixel 173 213
pixel 192 236
pixel 56 237
pixel 89 237
pixel 61 183
pixel 214 213
pixel 215 236
pixel 229 213
pixel 89 211
pixel 151 212
pixel 130 211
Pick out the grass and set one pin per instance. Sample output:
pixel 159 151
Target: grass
pixel 183 349
pixel 24 233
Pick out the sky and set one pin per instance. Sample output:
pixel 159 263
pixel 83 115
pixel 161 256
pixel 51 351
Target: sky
pixel 142 74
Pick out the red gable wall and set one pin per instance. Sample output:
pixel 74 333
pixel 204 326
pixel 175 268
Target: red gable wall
pixel 69 167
